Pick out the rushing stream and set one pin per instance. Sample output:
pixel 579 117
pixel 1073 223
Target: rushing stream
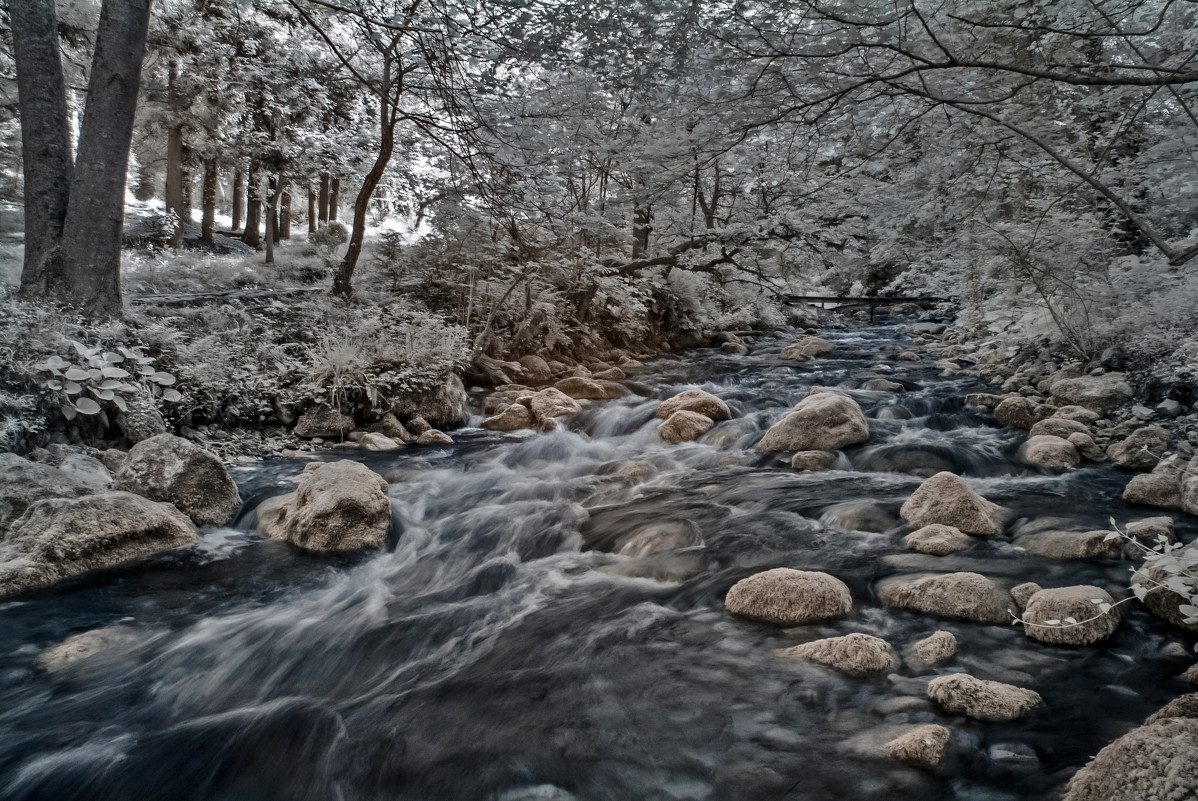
pixel 497 652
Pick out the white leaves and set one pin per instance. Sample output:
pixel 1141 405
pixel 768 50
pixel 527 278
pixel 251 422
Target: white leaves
pixel 121 403
pixel 1072 621
pixel 68 411
pixel 1114 535
pixel 77 374
pixel 71 388
pixel 114 372
pixel 172 396
pixel 1053 622
pixel 165 379
pixel 87 406
pixel 112 383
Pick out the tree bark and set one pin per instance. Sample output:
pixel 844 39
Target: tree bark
pixel 174 156
pixel 311 211
pixel 272 226
pixel 208 223
pixel 238 197
pixel 641 219
pixel 92 232
pixel 323 200
pixel 334 198
pixel 285 216
pixel 45 140
pixel 187 185
pixel 253 215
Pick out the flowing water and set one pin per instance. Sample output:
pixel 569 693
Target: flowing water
pixel 497 651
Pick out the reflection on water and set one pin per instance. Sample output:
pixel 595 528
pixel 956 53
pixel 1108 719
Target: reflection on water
pixel 549 623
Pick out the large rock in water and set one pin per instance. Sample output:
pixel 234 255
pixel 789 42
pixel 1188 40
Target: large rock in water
pixel 937 540
pixel 684 426
pixel 1078 603
pixel 945 498
pixel 1102 394
pixel 789 597
pixel 23 482
pixel 855 654
pixel 1159 760
pixel 324 422
pixel 922 747
pixel 173 470
pixel 62 537
pixel 1142 450
pixel 338 506
pixel 992 701
pixel 807 347
pixel 581 388
pixel 694 400
pixel 825 421
pixel 1164 602
pixel 1162 488
pixel 961 596
pixel 444 405
pixel 1050 451
pixel 514 417
pixel 550 403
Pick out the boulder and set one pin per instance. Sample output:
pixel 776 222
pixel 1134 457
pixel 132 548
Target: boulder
pixel 813 461
pixel 694 400
pixel 171 469
pixel 535 368
pixel 1087 448
pixel 1158 760
pixel 1151 530
pixel 991 701
pixel 336 506
pixel 418 425
pixel 1017 411
pixel 141 419
pixel 434 436
pixel 859 515
pixel 684 426
pixel 513 417
pixel 1162 488
pixel 908 356
pixel 1079 414
pixel 937 540
pixel 552 402
pixel 81 646
pixel 1101 394
pixel 390 426
pixel 922 747
pixel 1165 603
pixel 1023 593
pixel 1050 451
pixel 1063 604
pixel 735 348
pixel 932 650
pixel 1142 450
pixel 1083 545
pixel 87 469
pixel 821 422
pixel 959 596
pixel 787 597
pixel 444 405
pixel 946 498
pixel 854 654
pixel 983 400
pixel 610 374
pixel 378 442
pixel 1057 427
pixel 325 422
pixel 808 347
pixel 581 388
pixel 883 385
pixel 61 537
pixel 23 482
pixel 670 535
pixel 611 389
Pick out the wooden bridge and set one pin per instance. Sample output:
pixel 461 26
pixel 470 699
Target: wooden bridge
pixel 845 301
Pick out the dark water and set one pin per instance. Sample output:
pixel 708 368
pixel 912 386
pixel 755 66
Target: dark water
pixel 493 654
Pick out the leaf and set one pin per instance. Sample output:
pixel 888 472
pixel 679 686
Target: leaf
pixel 1072 621
pixel 87 406
pixel 1188 609
pixel 172 396
pixel 115 372
pixel 1104 608
pixel 146 369
pixel 53 385
pixel 111 383
pixel 166 379
pixel 81 350
pixel 120 403
pixel 1114 535
pixel 113 357
pixel 1140 591
pixel 55 363
pixel 1053 622
pixel 77 374
pixel 104 394
pixel 96 362
pixel 68 411
pixel 71 388
pixel 95 374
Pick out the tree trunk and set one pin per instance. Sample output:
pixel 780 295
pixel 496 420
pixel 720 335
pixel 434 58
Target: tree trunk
pixel 187 184
pixel 45 141
pixel 343 283
pixel 208 223
pixel 285 216
pixel 334 198
pixel 311 211
pixel 91 241
pixel 174 156
pixel 272 226
pixel 238 197
pixel 641 218
pixel 323 200
pixel 253 215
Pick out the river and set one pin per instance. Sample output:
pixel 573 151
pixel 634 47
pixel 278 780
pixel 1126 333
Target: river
pixel 495 652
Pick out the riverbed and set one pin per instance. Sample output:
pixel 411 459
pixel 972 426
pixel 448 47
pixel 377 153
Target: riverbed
pixel 496 651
